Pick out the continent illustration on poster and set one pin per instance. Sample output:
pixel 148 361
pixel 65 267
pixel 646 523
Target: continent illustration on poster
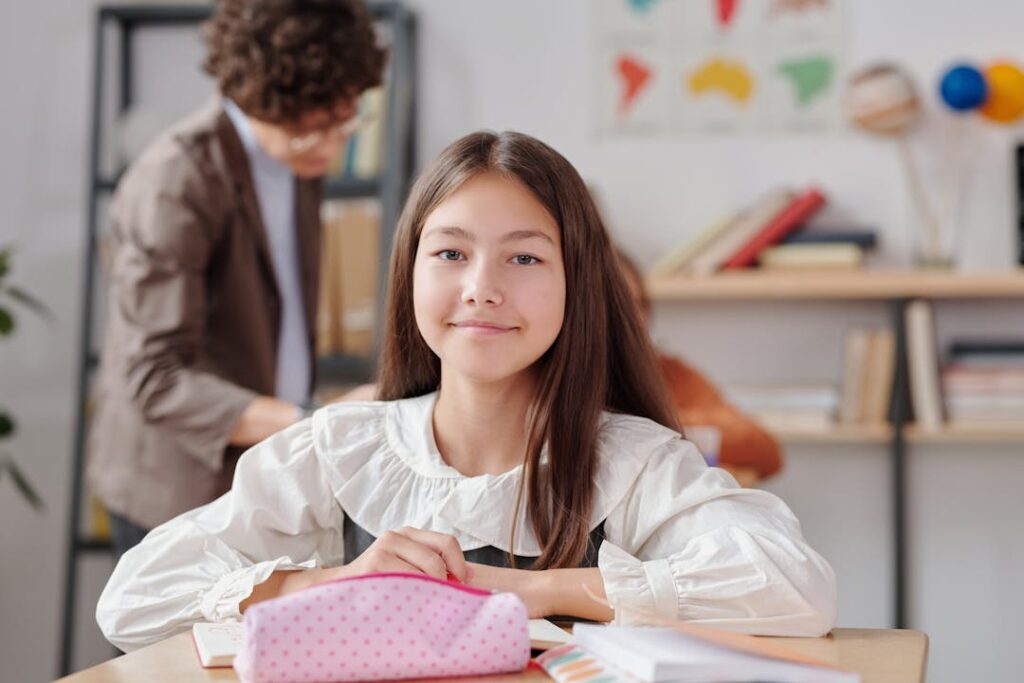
pixel 728 78
pixel 634 75
pixel 810 77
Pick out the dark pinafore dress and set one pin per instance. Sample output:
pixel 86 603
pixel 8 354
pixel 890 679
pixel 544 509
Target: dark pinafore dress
pixel 357 540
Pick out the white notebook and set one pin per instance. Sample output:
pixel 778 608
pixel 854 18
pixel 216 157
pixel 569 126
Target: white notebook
pixel 660 654
pixel 217 644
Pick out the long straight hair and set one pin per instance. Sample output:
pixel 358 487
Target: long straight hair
pixel 602 358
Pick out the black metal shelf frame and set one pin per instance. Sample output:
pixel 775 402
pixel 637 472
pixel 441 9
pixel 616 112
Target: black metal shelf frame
pixel 390 188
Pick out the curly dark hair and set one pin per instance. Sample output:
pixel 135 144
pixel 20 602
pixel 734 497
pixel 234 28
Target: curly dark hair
pixel 281 59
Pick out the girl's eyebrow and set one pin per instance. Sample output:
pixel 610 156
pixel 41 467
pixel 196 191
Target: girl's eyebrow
pixel 515 235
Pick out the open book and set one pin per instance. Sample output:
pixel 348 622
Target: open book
pixel 683 653
pixel 217 644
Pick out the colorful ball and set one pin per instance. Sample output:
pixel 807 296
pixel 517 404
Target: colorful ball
pixel 963 88
pixel 1005 103
pixel 882 99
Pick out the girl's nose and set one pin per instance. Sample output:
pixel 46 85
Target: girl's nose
pixel 481 286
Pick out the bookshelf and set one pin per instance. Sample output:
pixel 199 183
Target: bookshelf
pixel 113 88
pixel 894 289
pixel 854 285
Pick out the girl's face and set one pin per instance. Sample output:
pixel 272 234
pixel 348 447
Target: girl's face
pixel 488 281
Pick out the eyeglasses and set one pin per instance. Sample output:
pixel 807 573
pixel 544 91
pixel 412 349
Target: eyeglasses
pixel 303 143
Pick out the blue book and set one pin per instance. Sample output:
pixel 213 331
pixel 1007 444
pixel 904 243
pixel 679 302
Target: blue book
pixel 865 239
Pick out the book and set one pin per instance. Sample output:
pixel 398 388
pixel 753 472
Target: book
pixel 855 361
pixel 369 152
pixel 794 420
pixel 748 223
pixel 679 258
pixel 923 362
pixel 812 257
pixel 865 239
pixel 217 644
pixel 782 397
pixel 1018 157
pixel 986 347
pixel 697 654
pixel 784 222
pixel 346 313
pixel 878 376
pixel 990 380
pixel 544 635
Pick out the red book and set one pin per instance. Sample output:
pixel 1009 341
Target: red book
pixel 785 222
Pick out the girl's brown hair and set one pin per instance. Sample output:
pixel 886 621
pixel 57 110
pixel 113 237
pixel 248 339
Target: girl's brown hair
pixel 601 360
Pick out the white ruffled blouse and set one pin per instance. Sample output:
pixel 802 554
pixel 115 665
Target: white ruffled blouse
pixel 681 539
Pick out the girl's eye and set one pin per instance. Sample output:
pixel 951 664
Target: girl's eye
pixel 526 260
pixel 450 255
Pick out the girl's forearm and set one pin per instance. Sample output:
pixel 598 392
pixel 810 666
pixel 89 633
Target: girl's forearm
pixel 573 593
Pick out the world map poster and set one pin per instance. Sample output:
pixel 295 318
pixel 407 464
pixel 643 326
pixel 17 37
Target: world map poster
pixel 704 66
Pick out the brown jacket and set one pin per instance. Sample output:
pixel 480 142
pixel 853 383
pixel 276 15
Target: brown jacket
pixel 193 320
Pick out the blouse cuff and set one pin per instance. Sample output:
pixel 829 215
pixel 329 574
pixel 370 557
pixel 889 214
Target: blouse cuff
pixel 221 601
pixel 636 588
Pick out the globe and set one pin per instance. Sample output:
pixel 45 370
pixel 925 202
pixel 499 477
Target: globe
pixel 882 99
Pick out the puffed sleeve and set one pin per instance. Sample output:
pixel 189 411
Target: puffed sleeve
pixel 687 543
pixel 279 514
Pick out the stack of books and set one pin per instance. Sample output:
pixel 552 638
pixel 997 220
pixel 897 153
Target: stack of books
pixel 868 369
pixel 770 233
pixel 983 383
pixel 788 407
pixel 680 652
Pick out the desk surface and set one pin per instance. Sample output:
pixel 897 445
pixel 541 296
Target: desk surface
pixel 879 655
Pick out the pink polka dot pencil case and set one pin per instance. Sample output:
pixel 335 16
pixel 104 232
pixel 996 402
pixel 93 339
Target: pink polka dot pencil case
pixel 381 627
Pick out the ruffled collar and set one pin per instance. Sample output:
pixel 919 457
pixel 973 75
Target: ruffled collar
pixel 387 472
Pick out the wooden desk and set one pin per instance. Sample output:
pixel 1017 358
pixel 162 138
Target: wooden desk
pixel 881 656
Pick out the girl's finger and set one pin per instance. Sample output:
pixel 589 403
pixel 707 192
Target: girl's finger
pixel 446 546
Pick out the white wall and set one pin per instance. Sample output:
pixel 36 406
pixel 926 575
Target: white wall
pixel 524 65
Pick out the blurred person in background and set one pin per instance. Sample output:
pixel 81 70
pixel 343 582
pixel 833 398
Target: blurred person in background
pixel 209 346
pixel 745 448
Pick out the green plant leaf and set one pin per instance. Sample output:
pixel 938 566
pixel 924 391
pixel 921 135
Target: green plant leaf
pixel 6 322
pixel 22 484
pixel 6 425
pixel 5 260
pixel 29 301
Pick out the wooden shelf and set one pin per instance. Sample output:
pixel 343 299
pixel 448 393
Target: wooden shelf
pixel 883 433
pixel 748 285
pixel 967 434
pixel 839 434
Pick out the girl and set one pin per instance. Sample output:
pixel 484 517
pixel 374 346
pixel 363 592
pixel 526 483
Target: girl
pixel 523 442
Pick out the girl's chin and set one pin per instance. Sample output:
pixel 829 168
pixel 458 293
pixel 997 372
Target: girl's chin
pixel 483 374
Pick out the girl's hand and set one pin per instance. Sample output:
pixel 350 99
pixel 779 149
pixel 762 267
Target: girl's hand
pixel 412 550
pixel 407 550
